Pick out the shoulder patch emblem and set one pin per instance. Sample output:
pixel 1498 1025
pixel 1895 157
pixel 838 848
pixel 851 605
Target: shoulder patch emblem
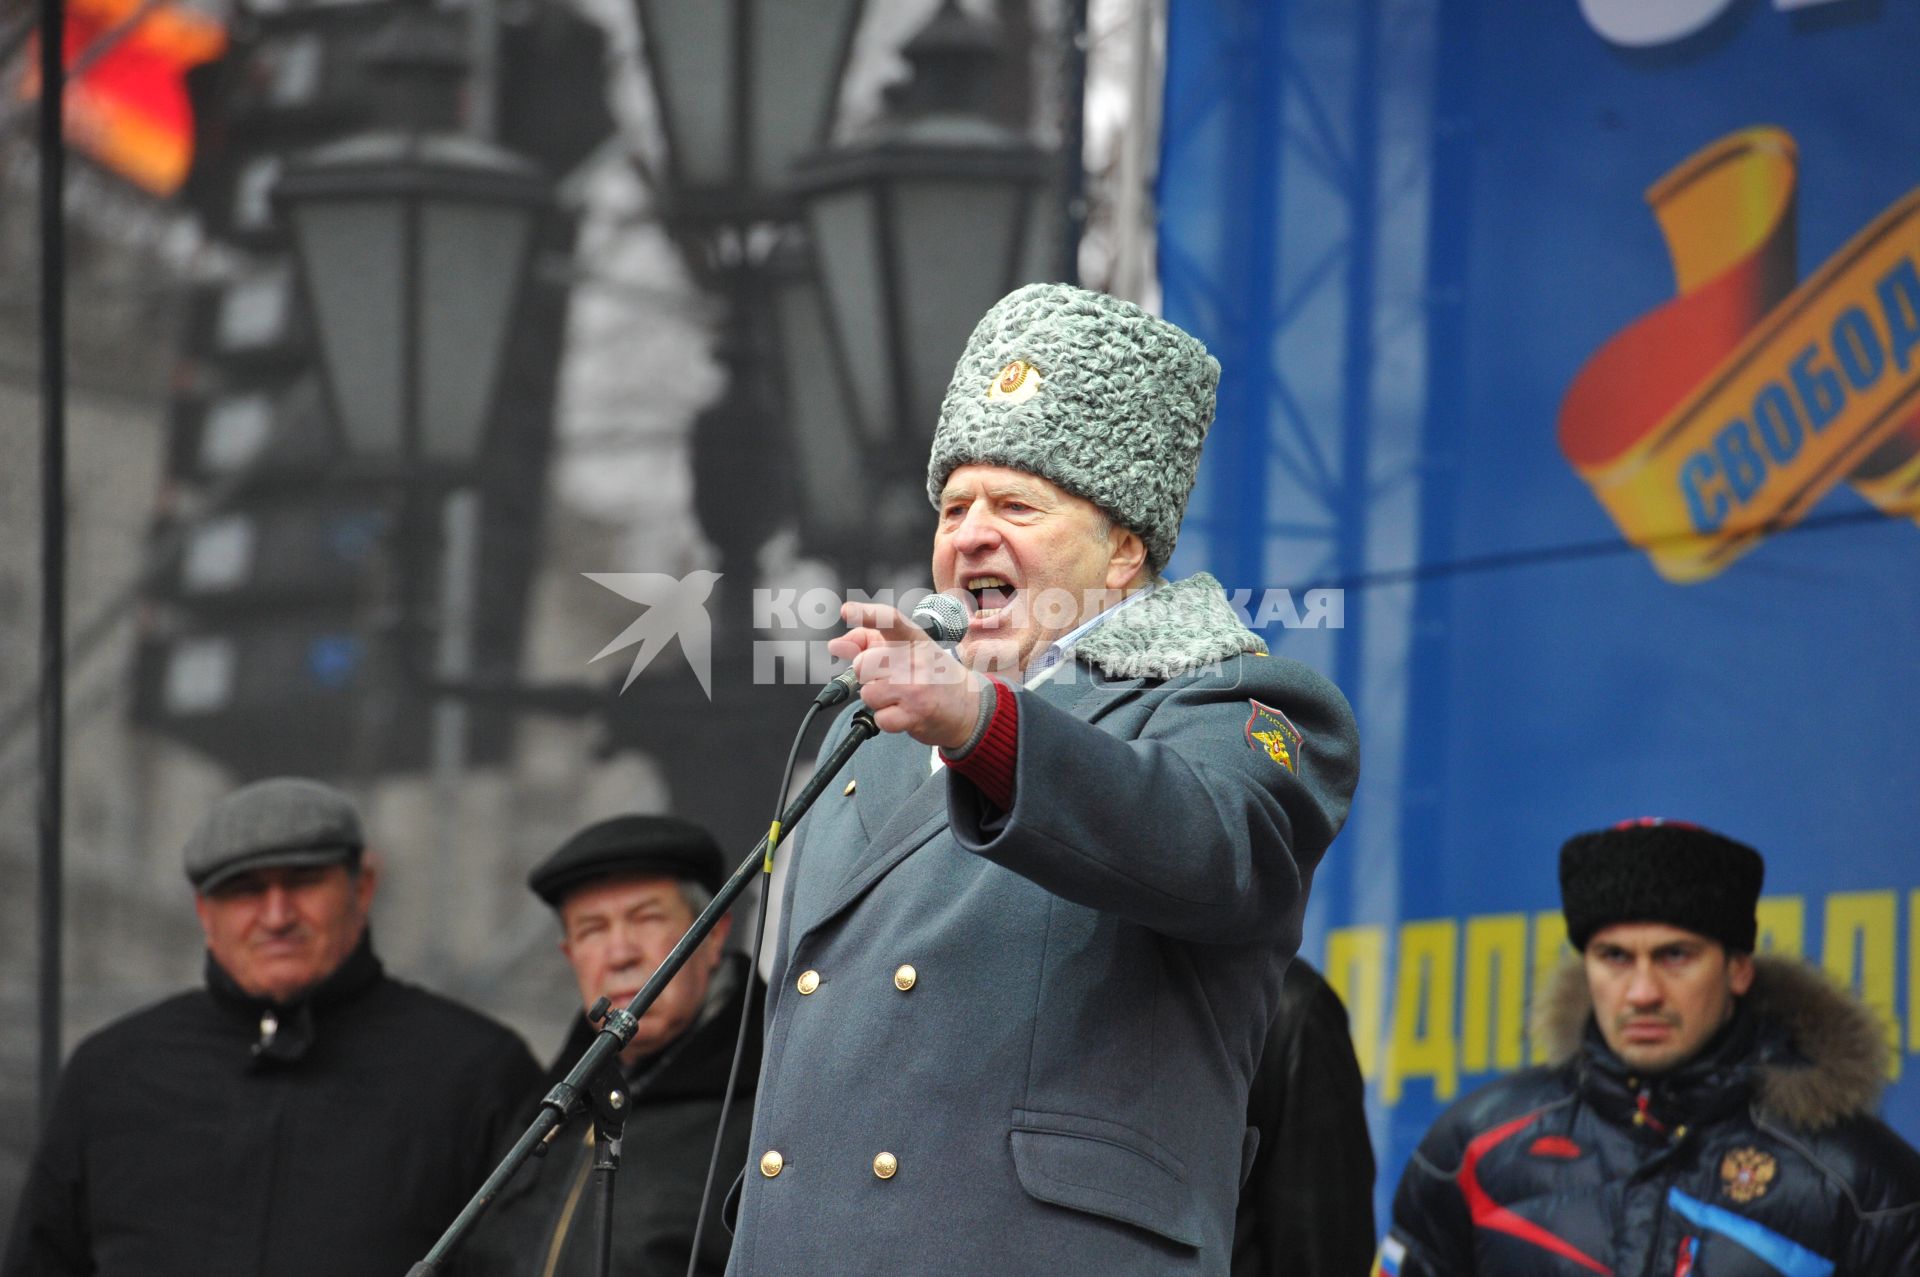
pixel 1269 731
pixel 1018 382
pixel 1747 1173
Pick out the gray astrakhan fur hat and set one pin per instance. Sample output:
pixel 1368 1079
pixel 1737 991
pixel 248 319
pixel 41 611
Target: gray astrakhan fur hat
pixel 1090 392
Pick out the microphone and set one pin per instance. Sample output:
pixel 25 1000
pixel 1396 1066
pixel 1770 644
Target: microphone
pixel 942 616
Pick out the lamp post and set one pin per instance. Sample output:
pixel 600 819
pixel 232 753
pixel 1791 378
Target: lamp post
pixel 414 250
pixel 743 87
pixel 917 229
pixel 740 88
pixel 812 383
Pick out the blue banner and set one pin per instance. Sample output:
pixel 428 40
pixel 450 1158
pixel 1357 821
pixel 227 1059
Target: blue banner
pixel 1577 347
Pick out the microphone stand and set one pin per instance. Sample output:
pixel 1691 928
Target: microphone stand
pixel 595 1081
pixel 609 1107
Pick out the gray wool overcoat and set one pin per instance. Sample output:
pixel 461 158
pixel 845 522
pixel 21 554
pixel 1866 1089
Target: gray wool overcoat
pixel 1020 1042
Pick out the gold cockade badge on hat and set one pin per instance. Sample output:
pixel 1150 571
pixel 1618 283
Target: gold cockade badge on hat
pixel 1747 1173
pixel 1018 382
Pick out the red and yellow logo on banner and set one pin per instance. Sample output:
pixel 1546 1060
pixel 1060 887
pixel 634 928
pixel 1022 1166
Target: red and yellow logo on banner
pixel 128 107
pixel 1725 414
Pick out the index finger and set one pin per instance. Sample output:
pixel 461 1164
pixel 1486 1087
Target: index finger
pixel 892 624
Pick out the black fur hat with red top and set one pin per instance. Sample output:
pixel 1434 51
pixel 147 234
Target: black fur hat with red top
pixel 1653 870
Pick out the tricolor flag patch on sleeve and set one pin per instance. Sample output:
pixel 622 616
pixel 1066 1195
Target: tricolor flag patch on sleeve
pixel 1269 731
pixel 1392 1254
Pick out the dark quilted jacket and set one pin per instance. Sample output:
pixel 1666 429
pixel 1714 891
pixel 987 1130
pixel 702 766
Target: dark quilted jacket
pixel 1758 1158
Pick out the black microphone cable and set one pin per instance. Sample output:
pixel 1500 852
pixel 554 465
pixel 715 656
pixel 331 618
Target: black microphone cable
pixel 753 973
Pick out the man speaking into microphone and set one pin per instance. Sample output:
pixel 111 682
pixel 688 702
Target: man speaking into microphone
pixel 1030 948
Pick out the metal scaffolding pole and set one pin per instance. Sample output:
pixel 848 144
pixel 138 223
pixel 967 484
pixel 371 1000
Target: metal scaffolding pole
pixel 53 537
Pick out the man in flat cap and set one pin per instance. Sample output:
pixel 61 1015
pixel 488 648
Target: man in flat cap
pixel 625 891
pixel 304 1113
pixel 1033 940
pixel 1709 1112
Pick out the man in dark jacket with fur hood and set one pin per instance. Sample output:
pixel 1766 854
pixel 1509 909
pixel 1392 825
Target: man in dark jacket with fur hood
pixel 1712 1113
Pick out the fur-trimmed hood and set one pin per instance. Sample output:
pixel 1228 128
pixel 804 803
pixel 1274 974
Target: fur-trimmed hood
pixel 1182 626
pixel 1838 1066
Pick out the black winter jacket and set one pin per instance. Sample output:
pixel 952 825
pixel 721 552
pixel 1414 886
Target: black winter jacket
pixel 1306 1209
pixel 185 1141
pixel 543 1224
pixel 1759 1157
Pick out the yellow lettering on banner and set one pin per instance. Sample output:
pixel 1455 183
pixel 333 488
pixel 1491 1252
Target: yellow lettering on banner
pixel 1423 1029
pixel 1493 1009
pixel 1356 969
pixel 1913 972
pixel 1783 923
pixel 1858 951
pixel 1549 951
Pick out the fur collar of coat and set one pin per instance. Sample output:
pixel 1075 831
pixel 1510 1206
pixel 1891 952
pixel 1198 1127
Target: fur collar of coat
pixel 1182 626
pixel 1836 1070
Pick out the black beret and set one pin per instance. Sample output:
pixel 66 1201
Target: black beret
pixel 657 846
pixel 1661 871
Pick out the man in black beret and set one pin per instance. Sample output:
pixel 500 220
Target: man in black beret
pixel 304 1113
pixel 1709 1112
pixel 626 890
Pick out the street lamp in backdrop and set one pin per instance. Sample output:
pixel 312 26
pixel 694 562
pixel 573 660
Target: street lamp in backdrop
pixel 876 256
pixel 917 228
pixel 744 87
pixel 415 249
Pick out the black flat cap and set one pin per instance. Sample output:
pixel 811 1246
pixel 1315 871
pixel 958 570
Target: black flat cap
pixel 1651 870
pixel 273 823
pixel 657 846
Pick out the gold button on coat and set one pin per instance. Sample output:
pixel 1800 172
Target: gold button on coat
pixel 903 978
pixel 885 1165
pixel 771 1163
pixel 848 791
pixel 808 981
